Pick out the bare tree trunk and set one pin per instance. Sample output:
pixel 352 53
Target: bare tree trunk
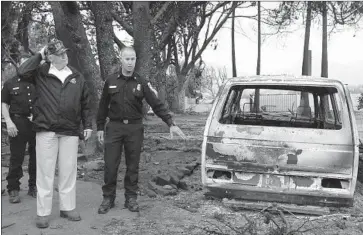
pixel 9 45
pixel 304 108
pixel 182 86
pixel 143 40
pixel 234 70
pixel 324 57
pixel 306 40
pixel 70 30
pixel 142 37
pixel 22 32
pixel 258 68
pixel 104 35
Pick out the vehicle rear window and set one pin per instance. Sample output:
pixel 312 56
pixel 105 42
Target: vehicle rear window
pixel 285 106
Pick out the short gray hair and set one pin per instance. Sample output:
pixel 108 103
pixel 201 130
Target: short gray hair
pixel 127 48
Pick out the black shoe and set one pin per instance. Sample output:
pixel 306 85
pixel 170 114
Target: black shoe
pixel 42 221
pixel 14 196
pixel 32 191
pixel 106 205
pixel 72 215
pixel 131 204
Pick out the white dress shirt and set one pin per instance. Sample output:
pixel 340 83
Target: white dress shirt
pixel 60 74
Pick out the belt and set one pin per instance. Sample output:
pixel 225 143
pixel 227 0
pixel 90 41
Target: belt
pixel 128 121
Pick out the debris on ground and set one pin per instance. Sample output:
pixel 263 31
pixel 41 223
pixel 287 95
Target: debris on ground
pixel 172 199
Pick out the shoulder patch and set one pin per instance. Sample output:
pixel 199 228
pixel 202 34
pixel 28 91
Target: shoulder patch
pixel 152 88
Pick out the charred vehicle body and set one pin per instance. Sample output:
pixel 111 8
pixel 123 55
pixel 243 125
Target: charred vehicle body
pixel 282 139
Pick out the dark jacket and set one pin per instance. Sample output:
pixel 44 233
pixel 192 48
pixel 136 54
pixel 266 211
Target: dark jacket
pixel 59 107
pixel 122 99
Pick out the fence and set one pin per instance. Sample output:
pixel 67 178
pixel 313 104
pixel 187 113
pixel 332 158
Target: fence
pixel 278 102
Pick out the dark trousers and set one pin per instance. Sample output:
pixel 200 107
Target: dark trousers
pixel 131 137
pixel 17 151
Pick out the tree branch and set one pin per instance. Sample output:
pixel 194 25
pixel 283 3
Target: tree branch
pixel 208 27
pixel 219 5
pixel 196 36
pixel 175 50
pixel 185 45
pixel 214 32
pixel 344 14
pixel 160 12
pixel 168 32
pixel 168 55
pixel 124 25
pixel 117 41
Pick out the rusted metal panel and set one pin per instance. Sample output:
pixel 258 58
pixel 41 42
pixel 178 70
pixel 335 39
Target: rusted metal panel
pixel 322 199
pixel 276 207
pixel 331 158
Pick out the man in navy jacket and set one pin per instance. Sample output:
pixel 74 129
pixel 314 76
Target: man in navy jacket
pixel 61 104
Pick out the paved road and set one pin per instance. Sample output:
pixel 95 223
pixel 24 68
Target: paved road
pixel 89 197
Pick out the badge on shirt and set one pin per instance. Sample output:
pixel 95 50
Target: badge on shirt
pixel 138 87
pixel 73 81
pixel 16 88
pixel 112 86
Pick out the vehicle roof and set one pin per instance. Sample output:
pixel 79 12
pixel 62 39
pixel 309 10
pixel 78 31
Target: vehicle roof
pixel 283 80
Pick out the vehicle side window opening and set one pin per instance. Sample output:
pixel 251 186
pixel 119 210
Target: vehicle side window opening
pixel 316 106
pixel 284 106
pixel 338 102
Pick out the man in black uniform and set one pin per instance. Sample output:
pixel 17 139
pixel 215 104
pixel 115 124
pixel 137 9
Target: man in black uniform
pixel 17 99
pixel 121 101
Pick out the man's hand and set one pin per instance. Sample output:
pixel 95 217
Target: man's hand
pixel 87 133
pixel 100 136
pixel 11 128
pixel 176 130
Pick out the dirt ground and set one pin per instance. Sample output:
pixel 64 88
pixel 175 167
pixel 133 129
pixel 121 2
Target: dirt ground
pixel 190 212
pixel 186 210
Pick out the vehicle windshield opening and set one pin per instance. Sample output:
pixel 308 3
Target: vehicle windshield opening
pixel 283 106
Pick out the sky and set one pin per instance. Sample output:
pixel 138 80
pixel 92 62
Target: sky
pixel 283 54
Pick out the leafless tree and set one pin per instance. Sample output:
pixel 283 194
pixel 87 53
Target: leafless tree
pixel 213 80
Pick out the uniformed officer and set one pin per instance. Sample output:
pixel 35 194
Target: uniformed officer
pixel 17 99
pixel 121 102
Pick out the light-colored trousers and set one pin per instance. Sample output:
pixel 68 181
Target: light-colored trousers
pixel 50 147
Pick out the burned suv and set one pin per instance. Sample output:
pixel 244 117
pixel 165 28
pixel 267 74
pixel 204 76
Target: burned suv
pixel 282 139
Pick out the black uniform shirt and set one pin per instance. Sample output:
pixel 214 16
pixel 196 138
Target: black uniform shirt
pixel 122 99
pixel 19 93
